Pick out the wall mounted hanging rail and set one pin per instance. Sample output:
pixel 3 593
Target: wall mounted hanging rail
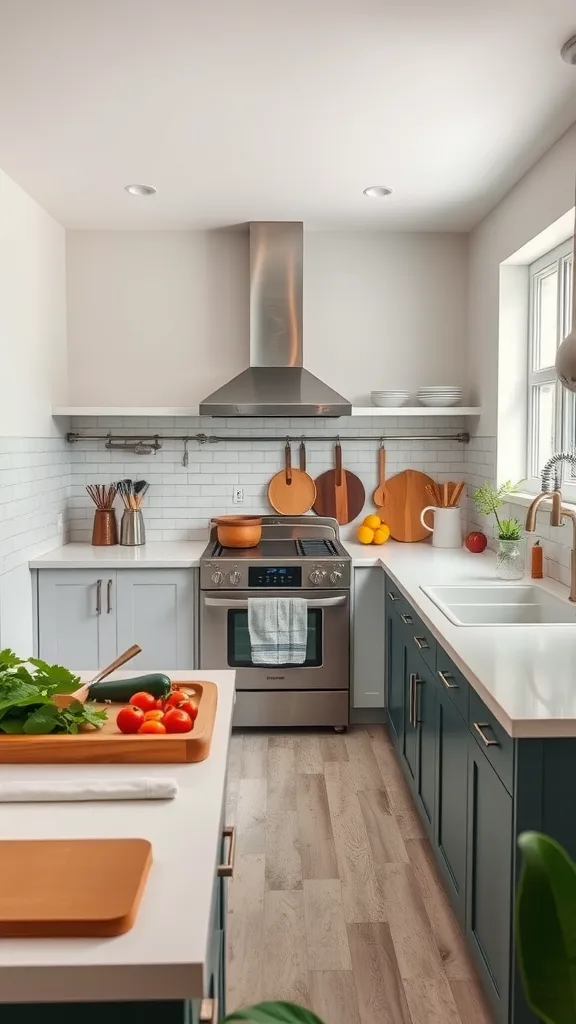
pixel 154 441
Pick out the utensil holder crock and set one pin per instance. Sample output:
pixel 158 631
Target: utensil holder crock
pixel 132 530
pixel 105 528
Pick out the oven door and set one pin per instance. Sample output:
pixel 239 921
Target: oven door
pixel 225 642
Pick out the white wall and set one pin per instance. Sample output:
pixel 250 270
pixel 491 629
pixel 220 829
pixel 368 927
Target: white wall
pixel 32 314
pixel 540 198
pixel 161 318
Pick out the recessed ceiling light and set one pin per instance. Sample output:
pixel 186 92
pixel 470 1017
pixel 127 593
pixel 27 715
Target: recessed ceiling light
pixel 140 190
pixel 377 191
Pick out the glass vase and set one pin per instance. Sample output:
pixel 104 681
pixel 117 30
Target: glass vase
pixel 510 559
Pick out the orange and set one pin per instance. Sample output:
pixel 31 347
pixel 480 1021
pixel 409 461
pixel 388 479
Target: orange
pixel 365 534
pixel 382 534
pixel 373 521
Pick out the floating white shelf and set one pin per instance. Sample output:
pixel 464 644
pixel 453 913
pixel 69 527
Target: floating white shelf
pixel 147 411
pixel 416 410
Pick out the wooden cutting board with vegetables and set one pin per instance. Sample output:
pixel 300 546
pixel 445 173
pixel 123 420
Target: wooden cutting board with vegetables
pixel 406 496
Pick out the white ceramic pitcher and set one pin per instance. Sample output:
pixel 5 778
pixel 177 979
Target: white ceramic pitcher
pixel 447 528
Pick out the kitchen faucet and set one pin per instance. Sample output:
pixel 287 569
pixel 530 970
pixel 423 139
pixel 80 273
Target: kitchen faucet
pixel 551 490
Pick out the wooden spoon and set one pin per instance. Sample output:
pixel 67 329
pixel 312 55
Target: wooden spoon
pixel 62 700
pixel 379 496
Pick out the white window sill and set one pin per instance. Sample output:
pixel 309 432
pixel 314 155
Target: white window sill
pixel 525 498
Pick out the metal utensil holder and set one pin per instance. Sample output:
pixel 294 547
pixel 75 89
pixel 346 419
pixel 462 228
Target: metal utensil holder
pixel 132 531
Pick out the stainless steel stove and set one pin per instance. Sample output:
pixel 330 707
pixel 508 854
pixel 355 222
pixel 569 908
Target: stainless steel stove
pixel 299 556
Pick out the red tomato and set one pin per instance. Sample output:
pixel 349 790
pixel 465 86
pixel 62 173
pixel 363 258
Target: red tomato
pixel 154 716
pixel 144 701
pixel 153 727
pixel 476 542
pixel 129 719
pixel 176 698
pixel 190 708
pixel 160 704
pixel 177 721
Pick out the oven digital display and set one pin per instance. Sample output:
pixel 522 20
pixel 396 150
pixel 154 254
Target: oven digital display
pixel 275 576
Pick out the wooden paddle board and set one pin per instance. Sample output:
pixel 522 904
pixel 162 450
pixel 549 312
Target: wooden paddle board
pixel 406 496
pixel 339 493
pixel 291 492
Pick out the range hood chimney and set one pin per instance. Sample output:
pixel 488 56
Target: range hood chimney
pixel 275 383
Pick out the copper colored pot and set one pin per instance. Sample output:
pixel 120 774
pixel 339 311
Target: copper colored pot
pixel 238 531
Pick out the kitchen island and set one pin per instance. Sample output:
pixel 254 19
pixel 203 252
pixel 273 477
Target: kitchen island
pixel 174 951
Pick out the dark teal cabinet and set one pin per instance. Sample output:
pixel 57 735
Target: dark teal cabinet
pixel 490 844
pixel 425 718
pixel 395 671
pixel 411 738
pixel 452 739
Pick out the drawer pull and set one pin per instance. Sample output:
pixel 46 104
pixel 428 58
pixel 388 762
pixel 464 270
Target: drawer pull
pixel 406 619
pixel 393 597
pixel 480 726
pixel 98 597
pixel 421 643
pixel 226 870
pixel 209 1011
pixel 109 596
pixel 445 678
pixel 411 699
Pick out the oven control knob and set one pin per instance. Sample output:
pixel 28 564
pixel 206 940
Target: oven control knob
pixel 335 576
pixel 317 576
pixel 217 577
pixel 235 578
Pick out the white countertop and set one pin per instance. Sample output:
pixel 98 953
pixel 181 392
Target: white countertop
pixel 156 555
pixel 164 955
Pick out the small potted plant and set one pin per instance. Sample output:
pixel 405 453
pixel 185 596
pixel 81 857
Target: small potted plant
pixel 510 556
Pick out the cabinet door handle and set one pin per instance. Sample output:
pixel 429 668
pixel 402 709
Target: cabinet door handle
pixel 406 619
pixel 421 643
pixel 209 1011
pixel 226 870
pixel 445 678
pixel 109 597
pixel 98 597
pixel 417 683
pixel 411 699
pixel 393 597
pixel 480 726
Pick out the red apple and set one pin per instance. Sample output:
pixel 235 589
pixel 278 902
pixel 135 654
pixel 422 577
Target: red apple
pixel 476 541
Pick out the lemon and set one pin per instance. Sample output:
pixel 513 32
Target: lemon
pixel 373 521
pixel 382 534
pixel 365 534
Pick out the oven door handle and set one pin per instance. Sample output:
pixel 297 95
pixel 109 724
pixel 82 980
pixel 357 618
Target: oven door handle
pixel 315 602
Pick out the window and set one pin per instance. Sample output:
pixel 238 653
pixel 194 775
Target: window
pixel 551 421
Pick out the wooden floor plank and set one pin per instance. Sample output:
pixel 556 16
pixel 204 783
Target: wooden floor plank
pixel 333 748
pixel 361 892
pixel 384 836
pixel 445 928
pixel 333 996
pixel 285 975
pixel 283 863
pixel 471 1002
pixel 233 777
pixel 315 828
pixel 397 791
pixel 326 939
pixel 308 756
pixel 245 931
pixel 431 1001
pixel 254 755
pixel 251 816
pixel 380 990
pixel 416 950
pixel 363 763
pixel 281 774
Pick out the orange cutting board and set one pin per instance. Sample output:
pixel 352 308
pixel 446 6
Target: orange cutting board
pixel 71 887
pixel 109 746
pixel 406 497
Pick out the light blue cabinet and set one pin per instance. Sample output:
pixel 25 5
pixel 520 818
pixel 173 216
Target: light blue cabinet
pixel 74 627
pixel 155 608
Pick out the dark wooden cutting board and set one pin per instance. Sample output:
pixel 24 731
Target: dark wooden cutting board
pixel 339 493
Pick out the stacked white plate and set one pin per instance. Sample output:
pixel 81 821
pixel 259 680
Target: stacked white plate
pixel 390 399
pixel 439 396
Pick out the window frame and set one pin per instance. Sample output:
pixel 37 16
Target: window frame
pixel 558 259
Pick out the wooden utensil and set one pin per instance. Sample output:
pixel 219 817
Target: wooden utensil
pixel 291 492
pixel 407 497
pixel 109 746
pixel 62 700
pixel 56 888
pixel 379 496
pixel 339 493
pixel 456 495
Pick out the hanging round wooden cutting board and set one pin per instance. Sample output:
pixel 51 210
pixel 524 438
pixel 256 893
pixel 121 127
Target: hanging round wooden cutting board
pixel 291 492
pixel 341 494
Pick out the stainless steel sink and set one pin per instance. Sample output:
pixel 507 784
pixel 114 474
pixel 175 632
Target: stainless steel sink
pixel 501 604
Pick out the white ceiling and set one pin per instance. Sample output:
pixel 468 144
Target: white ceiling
pixel 279 109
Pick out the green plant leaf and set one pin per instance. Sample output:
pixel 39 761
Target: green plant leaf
pixel 12 726
pixel 8 659
pixel 42 721
pixel 275 1013
pixel 54 678
pixel 546 928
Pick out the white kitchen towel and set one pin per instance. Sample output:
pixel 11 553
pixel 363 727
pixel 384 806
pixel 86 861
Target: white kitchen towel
pixel 278 628
pixel 92 789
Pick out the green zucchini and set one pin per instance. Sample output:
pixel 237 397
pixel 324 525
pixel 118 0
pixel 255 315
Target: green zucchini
pixel 121 691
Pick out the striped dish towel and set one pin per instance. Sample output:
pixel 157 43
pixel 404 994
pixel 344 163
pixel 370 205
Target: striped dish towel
pixel 278 628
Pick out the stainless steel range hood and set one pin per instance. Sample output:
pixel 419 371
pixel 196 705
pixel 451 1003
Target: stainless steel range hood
pixel 275 383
